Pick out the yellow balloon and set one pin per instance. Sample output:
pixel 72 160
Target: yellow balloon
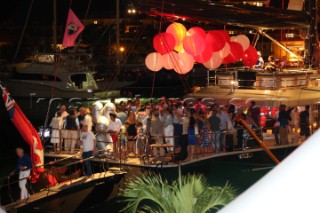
pixel 179 33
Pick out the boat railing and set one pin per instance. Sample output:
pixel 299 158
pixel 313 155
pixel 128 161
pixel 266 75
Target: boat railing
pixel 50 171
pixel 164 142
pixel 255 80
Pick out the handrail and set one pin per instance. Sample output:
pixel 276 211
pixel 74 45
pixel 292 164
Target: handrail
pixel 253 134
pixel 46 172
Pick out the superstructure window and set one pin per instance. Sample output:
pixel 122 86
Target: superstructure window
pixel 78 80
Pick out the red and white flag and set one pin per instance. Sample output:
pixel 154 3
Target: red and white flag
pixel 27 131
pixel 73 28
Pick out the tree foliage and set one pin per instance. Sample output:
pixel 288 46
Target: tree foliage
pixel 189 194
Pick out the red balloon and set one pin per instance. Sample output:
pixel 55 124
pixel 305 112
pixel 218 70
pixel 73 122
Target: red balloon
pixel 250 56
pixel 225 34
pixel 216 39
pixel 235 54
pixel 204 56
pixel 163 43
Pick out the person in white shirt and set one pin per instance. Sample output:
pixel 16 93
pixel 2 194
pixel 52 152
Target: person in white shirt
pixel 224 119
pixel 88 143
pixel 56 125
pixel 114 128
pixel 63 111
pixel 87 119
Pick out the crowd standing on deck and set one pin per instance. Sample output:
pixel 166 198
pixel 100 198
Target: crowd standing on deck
pixel 190 128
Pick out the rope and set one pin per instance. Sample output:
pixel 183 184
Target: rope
pixel 52 93
pixel 23 31
pixel 160 27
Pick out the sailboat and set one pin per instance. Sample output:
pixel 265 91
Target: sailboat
pixel 57 181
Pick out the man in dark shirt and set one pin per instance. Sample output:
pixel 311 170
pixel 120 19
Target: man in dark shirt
pixel 304 122
pixel 254 114
pixel 215 122
pixel 24 165
pixel 283 119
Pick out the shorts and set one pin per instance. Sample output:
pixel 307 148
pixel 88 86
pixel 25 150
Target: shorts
pixel 123 141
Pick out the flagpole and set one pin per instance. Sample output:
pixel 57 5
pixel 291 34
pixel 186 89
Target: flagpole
pixel 54 28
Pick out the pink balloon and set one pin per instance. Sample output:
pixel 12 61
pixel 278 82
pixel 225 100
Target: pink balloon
pixel 184 63
pixel 225 50
pixel 250 56
pixel 168 59
pixel 204 56
pixel 195 41
pixel 163 43
pixel 214 62
pixel 154 61
pixel 197 30
pixel 194 44
pixel 216 39
pixel 243 40
pixel 179 33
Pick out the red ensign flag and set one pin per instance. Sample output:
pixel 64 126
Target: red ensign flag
pixel 73 28
pixel 27 131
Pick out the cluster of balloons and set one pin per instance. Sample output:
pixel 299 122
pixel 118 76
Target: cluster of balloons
pixel 179 48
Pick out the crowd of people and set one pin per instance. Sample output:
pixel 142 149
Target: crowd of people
pixel 187 128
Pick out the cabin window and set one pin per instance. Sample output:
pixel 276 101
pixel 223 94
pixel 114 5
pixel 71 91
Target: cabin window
pixel 33 77
pixel 78 80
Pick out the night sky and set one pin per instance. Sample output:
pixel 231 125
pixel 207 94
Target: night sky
pixel 42 10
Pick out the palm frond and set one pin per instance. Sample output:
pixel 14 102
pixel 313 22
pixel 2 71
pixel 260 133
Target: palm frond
pixel 188 194
pixel 215 197
pixel 192 186
pixel 147 187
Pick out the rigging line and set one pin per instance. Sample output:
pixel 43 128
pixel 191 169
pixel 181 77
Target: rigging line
pixel 52 93
pixel 130 52
pixel 160 27
pixel 85 18
pixel 23 31
pixel 133 44
pixel 104 32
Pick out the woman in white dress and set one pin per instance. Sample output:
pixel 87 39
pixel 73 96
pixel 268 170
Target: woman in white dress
pixel 56 125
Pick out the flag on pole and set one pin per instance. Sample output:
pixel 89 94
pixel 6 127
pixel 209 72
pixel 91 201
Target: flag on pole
pixel 27 131
pixel 73 28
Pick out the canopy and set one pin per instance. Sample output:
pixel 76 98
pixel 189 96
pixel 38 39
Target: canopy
pixel 217 12
pixel 271 98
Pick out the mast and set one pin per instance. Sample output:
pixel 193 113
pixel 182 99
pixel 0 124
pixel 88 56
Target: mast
pixel 118 35
pixel 23 31
pixel 311 41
